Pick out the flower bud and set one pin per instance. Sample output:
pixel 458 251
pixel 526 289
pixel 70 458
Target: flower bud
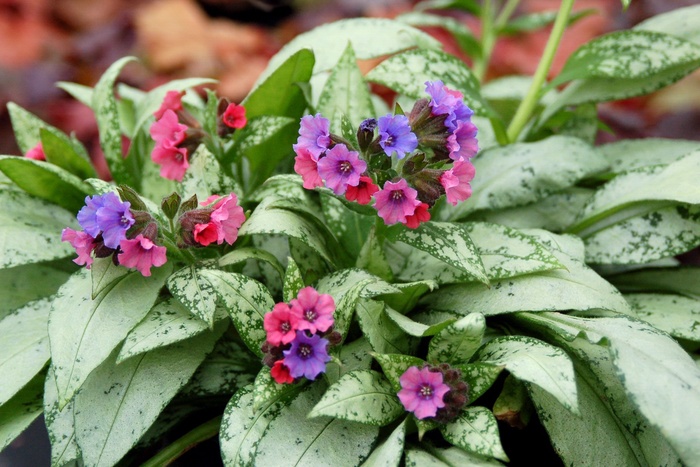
pixel 171 204
pixel 365 133
pixel 427 183
pixel 188 220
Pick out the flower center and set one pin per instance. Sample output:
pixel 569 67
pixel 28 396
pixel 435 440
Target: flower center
pixel 426 392
pixel 310 315
pixel 389 141
pixel 397 195
pixel 124 220
pixel 305 351
pixel 286 327
pixel 345 167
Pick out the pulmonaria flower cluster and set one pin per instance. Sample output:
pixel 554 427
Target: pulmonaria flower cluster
pixel 436 392
pixel 111 228
pixel 298 336
pixel 177 134
pixel 217 221
pixel 432 147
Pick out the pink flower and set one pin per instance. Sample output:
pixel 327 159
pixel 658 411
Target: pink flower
pixel 167 128
pixel 36 153
pixel 422 391
pixel 396 201
pixel 462 143
pixel 205 234
pixel 341 168
pixel 281 325
pixel 362 193
pixel 306 165
pixel 234 116
pixel 168 134
pixel 228 217
pixel 280 373
pixel 421 214
pixel 83 244
pixel 171 101
pixel 313 310
pixel 456 182
pixel 141 253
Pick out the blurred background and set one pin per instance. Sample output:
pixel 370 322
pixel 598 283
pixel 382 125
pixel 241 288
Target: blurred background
pixel 44 41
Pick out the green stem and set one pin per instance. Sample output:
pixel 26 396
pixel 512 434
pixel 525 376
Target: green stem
pixel 527 106
pixel 506 13
pixel 185 443
pixel 488 38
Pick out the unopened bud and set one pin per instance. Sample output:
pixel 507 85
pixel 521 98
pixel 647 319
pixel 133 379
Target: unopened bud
pixel 171 204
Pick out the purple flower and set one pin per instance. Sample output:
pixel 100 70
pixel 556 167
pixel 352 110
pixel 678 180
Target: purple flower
pixel 106 214
pixel 307 357
pixel 396 201
pixel 340 168
pixel 422 391
pixel 314 134
pixel 445 101
pixel 395 135
pixel 462 143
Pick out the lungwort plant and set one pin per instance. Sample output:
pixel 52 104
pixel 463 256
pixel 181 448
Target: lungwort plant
pixel 321 276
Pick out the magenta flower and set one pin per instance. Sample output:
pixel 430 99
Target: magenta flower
pixel 313 310
pixel 314 134
pixel 234 116
pixel 281 325
pixel 171 101
pixel 36 153
pixel 420 215
pixel 396 201
pixel 141 253
pixel 395 135
pixel 362 193
pixel 205 234
pixel 168 133
pixel 228 217
pixel 462 143
pixel 456 181
pixel 306 165
pixel 167 128
pixel 307 357
pixel 83 244
pixel 422 391
pixel 341 168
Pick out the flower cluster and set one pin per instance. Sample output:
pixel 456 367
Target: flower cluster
pixel 432 147
pixel 178 134
pixel 298 336
pixel 217 221
pixel 435 392
pixel 111 228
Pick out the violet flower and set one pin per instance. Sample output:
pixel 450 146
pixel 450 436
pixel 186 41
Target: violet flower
pixel 341 168
pixel 307 357
pixel 395 135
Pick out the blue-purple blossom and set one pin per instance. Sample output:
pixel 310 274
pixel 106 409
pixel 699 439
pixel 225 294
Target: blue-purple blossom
pixel 445 101
pixel 395 135
pixel 341 168
pixel 314 134
pixel 106 214
pixel 307 357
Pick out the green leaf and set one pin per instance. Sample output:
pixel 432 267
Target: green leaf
pixel 349 357
pixel 480 377
pixel 534 361
pixel 59 424
pixel 677 315
pixel 459 341
pixel 266 389
pixel 81 93
pixel 428 65
pixel 409 295
pixel 464 37
pixel 84 331
pixel 205 177
pixel 30 231
pixel 353 230
pixel 45 281
pixel 27 127
pixel 240 255
pixel 167 322
pixel 679 22
pixel 389 452
pixel 46 181
pixel 346 93
pixel 363 396
pixel 194 289
pixel 293 282
pixel 394 365
pixel 371 256
pixel 631 154
pixel 104 103
pixel 414 328
pixel 523 173
pixel 575 288
pixel 450 243
pixel 382 333
pixel 119 402
pixel 319 441
pixel 314 266
pixel 20 411
pixel 243 424
pixel 533 21
pixel 104 272
pixel 67 154
pixel 683 281
pixel 508 253
pixel 26 347
pixel 476 430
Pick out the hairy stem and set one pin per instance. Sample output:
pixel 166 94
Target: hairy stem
pixel 488 38
pixel 202 433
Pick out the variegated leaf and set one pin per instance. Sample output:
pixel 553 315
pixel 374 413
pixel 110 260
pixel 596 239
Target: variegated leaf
pixel 60 424
pixel 293 282
pixel 411 292
pixel 394 365
pixel 205 177
pixel 459 341
pixel 363 396
pixel 679 22
pixel 480 377
pixel 684 281
pixel 45 281
pixel 21 410
pixel 352 229
pixel 389 452
pixel 632 154
pixel 677 315
pixel 265 389
pixel 476 430
pixel 458 29
pixel 380 331
pixel 414 328
pixel 349 357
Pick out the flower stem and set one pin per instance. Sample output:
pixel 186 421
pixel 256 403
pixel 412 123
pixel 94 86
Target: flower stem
pixel 202 433
pixel 527 106
pixel 506 13
pixel 488 38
